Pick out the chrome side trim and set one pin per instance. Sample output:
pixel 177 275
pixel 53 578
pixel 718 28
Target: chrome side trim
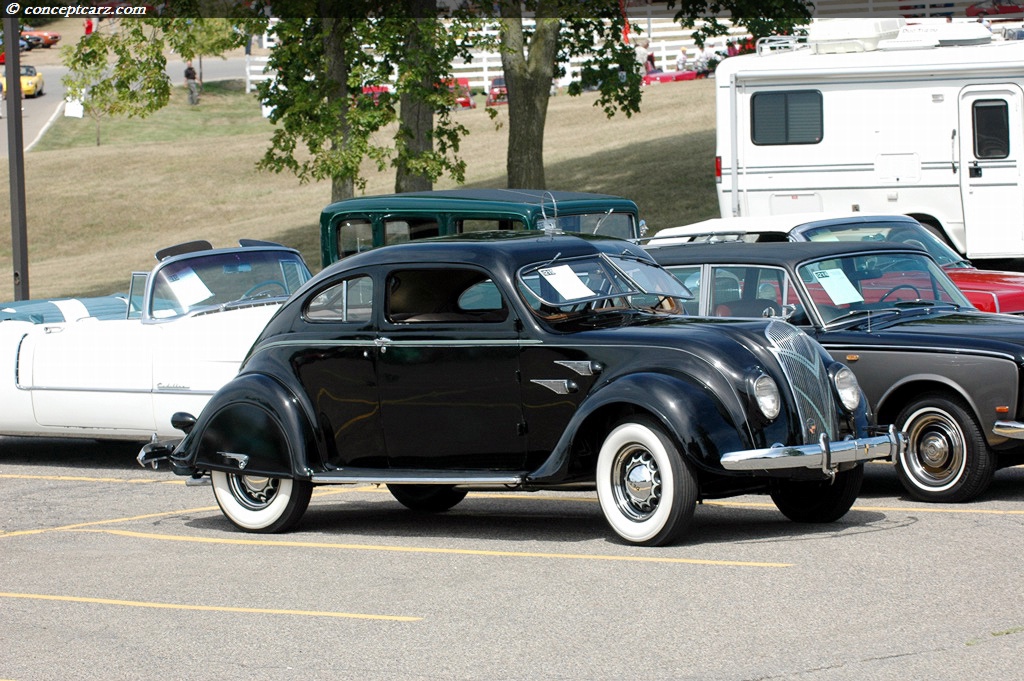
pixel 418 477
pixel 581 367
pixel 1014 429
pixel 823 454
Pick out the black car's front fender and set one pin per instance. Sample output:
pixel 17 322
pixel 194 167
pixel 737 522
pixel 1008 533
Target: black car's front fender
pixel 252 425
pixel 692 415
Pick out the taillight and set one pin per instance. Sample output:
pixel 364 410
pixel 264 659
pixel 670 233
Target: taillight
pixel 718 169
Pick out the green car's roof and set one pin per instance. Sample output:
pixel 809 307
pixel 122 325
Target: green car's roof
pixel 521 201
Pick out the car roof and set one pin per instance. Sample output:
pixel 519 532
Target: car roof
pixel 787 253
pixel 469 199
pixel 495 251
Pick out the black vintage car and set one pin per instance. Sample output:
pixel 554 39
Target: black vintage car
pixel 530 362
pixel 942 372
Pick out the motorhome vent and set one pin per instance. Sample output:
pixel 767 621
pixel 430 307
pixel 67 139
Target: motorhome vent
pixel 943 34
pixel 841 36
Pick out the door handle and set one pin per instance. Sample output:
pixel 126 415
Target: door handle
pixel 974 170
pixel 382 342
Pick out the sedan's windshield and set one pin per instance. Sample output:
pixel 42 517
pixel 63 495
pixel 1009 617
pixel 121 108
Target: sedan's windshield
pixel 209 280
pixel 599 282
pixel 845 287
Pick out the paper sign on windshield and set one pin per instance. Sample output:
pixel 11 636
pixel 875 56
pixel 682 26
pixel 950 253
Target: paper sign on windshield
pixel 188 288
pixel 838 287
pixel 566 282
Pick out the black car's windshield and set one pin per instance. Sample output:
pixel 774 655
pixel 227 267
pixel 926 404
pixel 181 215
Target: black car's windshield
pixel 207 280
pixel 844 288
pixel 897 231
pixel 599 282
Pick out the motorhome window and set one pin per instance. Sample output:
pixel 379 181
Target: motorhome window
pixel 409 229
pixel 793 117
pixel 991 129
pixel 354 236
pixel 471 225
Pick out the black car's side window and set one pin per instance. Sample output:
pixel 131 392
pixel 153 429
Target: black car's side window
pixel 348 301
pixel 443 295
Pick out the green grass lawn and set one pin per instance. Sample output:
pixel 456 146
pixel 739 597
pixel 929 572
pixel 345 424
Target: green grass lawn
pixel 97 213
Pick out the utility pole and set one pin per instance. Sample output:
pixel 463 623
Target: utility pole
pixel 16 158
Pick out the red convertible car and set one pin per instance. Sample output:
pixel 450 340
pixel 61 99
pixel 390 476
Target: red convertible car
pixel 987 290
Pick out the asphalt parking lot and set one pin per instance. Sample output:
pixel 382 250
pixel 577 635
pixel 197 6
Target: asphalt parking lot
pixel 111 571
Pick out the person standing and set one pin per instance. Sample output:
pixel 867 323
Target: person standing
pixel 191 83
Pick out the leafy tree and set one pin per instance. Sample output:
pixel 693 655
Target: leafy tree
pixel 120 68
pixel 592 29
pixel 322 65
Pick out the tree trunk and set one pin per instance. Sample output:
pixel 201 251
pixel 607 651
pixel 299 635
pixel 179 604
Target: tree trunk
pixel 529 72
pixel 416 117
pixel 336 60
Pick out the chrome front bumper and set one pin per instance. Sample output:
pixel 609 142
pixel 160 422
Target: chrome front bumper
pixel 1014 429
pixel 825 455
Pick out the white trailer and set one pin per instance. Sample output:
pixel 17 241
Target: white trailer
pixel 920 120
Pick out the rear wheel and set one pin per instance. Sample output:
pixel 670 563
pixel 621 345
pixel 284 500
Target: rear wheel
pixel 823 501
pixel 427 498
pixel 947 458
pixel 646 488
pixel 261 504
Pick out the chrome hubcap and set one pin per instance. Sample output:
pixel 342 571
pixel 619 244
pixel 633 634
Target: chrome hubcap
pixel 253 492
pixel 637 483
pixel 936 452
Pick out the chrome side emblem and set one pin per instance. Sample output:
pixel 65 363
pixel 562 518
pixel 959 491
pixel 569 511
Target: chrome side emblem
pixel 581 367
pixel 559 387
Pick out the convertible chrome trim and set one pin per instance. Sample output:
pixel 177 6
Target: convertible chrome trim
pixel 1014 429
pixel 824 454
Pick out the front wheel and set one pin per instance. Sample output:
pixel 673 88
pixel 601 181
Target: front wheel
pixel 427 498
pixel 646 488
pixel 261 504
pixel 947 458
pixel 815 501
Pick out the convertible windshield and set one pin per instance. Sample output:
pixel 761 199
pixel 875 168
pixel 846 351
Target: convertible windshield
pixel 848 286
pixel 899 231
pixel 593 282
pixel 214 279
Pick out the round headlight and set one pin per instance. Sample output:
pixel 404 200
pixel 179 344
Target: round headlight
pixel 847 388
pixel 767 395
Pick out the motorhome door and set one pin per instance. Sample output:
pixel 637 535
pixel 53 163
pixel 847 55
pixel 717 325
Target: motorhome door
pixel 990 170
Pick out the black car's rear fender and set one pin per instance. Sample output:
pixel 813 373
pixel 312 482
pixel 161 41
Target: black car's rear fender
pixel 693 416
pixel 252 425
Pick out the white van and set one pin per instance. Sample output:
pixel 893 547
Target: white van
pixel 878 116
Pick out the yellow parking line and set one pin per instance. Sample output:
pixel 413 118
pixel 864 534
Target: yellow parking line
pixel 448 551
pixel 908 509
pixel 209 608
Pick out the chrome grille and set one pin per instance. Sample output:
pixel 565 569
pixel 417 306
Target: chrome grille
pixel 807 377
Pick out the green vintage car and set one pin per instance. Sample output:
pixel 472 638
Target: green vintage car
pixel 359 224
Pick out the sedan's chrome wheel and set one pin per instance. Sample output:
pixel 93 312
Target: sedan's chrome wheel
pixel 259 503
pixel 937 455
pixel 947 458
pixel 646 489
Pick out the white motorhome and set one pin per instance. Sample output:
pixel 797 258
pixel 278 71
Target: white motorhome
pixel 881 117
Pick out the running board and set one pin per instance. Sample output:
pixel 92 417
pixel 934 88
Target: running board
pixel 418 477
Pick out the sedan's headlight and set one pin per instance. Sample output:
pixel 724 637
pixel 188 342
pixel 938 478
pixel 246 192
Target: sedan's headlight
pixel 766 393
pixel 846 387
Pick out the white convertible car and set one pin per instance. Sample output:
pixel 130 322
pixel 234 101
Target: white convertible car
pixel 117 367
